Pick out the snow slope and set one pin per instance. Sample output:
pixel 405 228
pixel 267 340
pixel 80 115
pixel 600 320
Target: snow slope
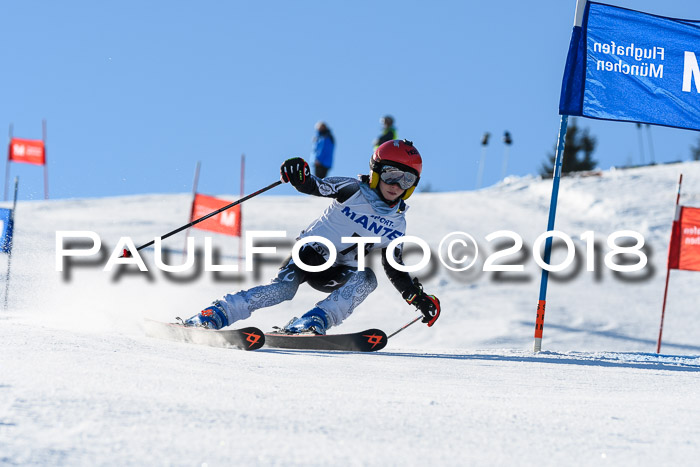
pixel 81 385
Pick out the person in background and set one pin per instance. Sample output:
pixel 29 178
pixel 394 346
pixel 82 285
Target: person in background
pixel 323 146
pixel 388 131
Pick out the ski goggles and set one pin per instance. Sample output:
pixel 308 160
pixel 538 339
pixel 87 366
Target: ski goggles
pixel 395 176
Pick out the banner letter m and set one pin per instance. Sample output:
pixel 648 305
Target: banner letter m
pixel 228 218
pixel 690 72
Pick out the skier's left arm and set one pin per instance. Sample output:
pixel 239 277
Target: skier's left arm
pixel 411 289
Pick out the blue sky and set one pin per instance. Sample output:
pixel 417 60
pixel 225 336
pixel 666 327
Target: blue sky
pixel 135 93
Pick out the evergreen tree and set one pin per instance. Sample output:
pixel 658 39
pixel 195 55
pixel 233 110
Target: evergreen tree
pixel 578 152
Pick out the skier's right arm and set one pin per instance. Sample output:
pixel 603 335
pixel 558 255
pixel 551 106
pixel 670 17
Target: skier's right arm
pixel 296 171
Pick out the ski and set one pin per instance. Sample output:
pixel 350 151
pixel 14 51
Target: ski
pixel 249 338
pixel 369 340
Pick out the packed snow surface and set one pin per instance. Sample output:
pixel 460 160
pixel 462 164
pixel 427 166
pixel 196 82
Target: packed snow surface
pixel 81 384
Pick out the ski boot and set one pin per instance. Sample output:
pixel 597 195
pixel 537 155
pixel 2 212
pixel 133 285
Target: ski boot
pixel 314 321
pixel 212 317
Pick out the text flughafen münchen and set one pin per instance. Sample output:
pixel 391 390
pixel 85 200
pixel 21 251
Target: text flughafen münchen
pixel 647 59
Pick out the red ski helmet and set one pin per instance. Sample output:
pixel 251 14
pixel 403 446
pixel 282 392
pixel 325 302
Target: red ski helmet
pixel 396 153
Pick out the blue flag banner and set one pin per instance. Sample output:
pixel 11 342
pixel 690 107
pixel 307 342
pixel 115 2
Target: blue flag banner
pixel 6 227
pixel 631 66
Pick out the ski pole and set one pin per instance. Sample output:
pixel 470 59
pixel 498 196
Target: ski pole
pixel 197 221
pixel 403 327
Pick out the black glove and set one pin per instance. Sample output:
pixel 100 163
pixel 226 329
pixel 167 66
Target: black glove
pixel 429 305
pixel 295 171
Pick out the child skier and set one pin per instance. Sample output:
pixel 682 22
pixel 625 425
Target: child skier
pixel 372 206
